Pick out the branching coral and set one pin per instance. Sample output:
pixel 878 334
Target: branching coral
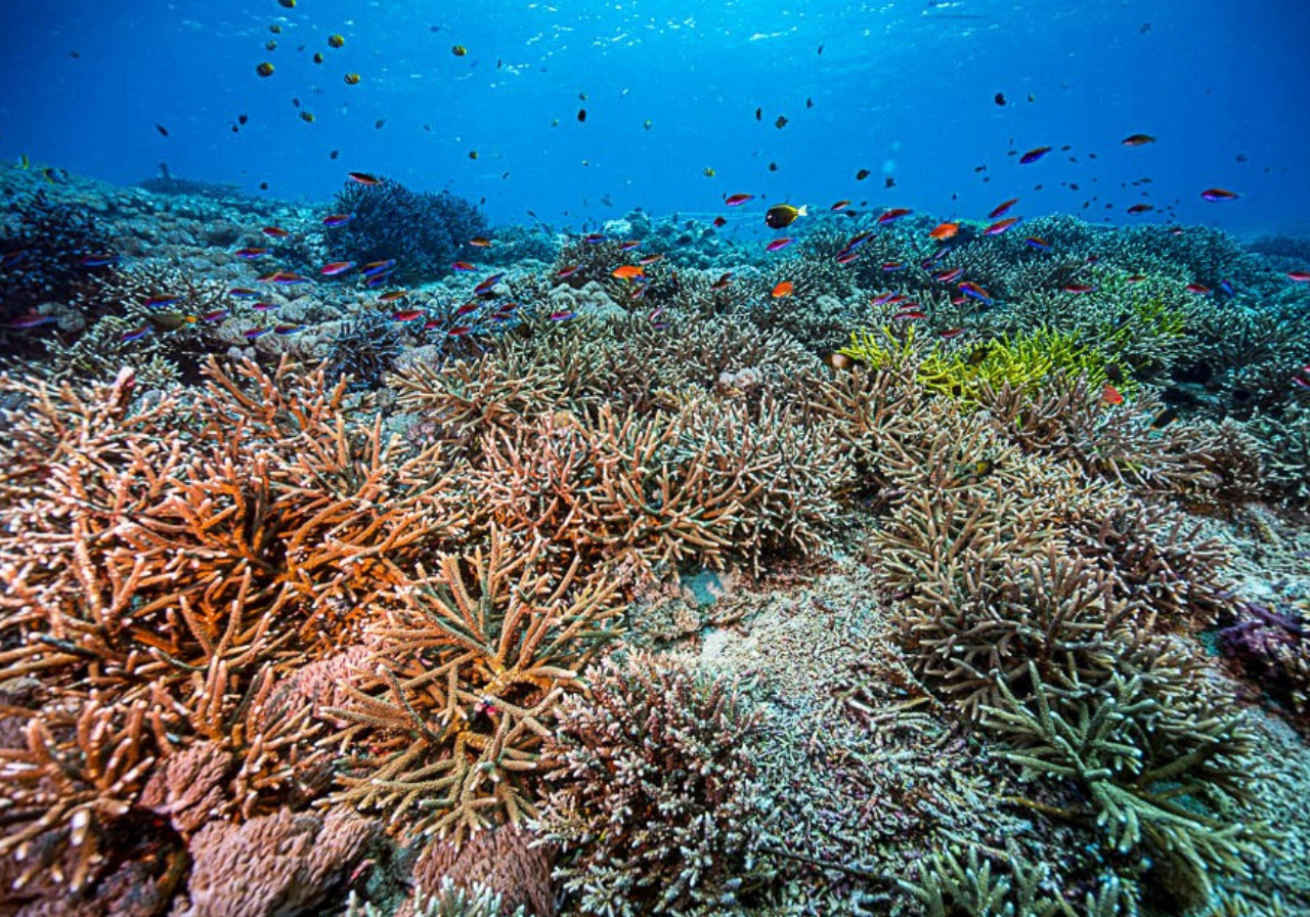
pixel 425 232
pixel 649 805
pixel 1159 777
pixel 446 729
pixel 706 482
pixel 170 557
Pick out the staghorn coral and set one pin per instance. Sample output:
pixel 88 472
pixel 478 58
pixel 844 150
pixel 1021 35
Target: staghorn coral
pixel 1159 774
pixel 1285 448
pixel 171 556
pixel 444 733
pixel 706 482
pixel 648 803
pixel 365 348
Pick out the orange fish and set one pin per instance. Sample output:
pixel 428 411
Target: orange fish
pixel 945 231
pixel 394 295
pixel 628 272
pixel 1111 395
pixel 783 289
pixel 480 242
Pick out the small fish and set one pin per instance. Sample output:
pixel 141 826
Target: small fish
pixel 1078 288
pixel 336 268
pixel 336 220
pixel 628 272
pixel 277 232
pixel 1199 289
pixel 406 315
pixel 1299 276
pixel 563 273
pixel 376 268
pixel 720 221
pixel 318 57
pixel 136 334
pixel 950 333
pixel 708 172
pixel 251 333
pixel 480 242
pixel 1000 226
pixel 393 296
pixel 846 256
pixel 912 315
pixel 979 355
pixel 162 299
pixel 1138 140
pixel 945 231
pixel 969 288
pixel 214 317
pixel 781 122
pixel 785 288
pixel 463 267
pixel 1218 194
pixel 264 69
pixel 251 253
pixel 487 284
pixel 32 320
pixel 862 174
pixel 781 216
pixel 459 330
pixel 1038 243
pixel 288 329
pixel 459 50
pixel 582 115
pixel 1034 155
pixel 890 266
pixel 648 260
pixel 840 205
pixel 97 260
pixel 736 200
pixel 336 41
pixel 1001 209
pixel 1140 208
pixel 884 299
pixel 857 241
pixel 629 245
pixel 170 321
pixel 1111 395
pixel 468 308
pixel 594 238
pixel 364 178
pixel 894 214
pixel 289 279
pixel 778 245
pixel 722 283
pixel 264 306
pixel 999 99
pixel 1164 418
pixel 1226 287
pixel 352 79
pixel 562 316
pixel 243 293
pixel 1135 278
pixel 950 275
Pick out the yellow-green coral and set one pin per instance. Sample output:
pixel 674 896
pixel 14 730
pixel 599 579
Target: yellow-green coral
pixel 1024 361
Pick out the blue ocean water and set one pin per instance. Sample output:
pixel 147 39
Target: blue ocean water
pixel 906 89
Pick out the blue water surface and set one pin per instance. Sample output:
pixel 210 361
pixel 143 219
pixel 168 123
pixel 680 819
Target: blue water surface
pixel 906 89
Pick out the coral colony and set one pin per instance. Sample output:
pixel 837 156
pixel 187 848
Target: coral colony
pixel 371 560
